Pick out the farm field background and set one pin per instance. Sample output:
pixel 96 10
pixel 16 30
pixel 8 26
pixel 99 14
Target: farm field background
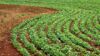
pixel 58 28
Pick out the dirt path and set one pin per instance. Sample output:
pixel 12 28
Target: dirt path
pixel 10 16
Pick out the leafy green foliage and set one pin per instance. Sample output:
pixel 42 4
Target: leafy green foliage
pixel 65 33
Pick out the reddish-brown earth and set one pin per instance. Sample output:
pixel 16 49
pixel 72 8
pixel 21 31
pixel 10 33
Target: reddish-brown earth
pixel 10 16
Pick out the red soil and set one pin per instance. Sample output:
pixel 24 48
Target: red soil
pixel 10 16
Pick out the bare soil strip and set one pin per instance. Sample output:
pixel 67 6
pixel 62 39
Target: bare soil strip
pixel 10 16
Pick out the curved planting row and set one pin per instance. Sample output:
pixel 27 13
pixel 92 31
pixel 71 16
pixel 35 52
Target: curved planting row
pixel 67 33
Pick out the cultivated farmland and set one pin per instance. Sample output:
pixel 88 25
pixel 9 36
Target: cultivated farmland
pixel 58 28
